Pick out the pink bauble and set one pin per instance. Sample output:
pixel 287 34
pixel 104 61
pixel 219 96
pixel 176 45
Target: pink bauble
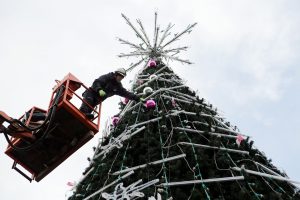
pixel 125 101
pixel 150 103
pixel 152 63
pixel 115 120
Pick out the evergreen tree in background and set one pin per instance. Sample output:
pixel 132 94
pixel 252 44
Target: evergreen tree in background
pixel 175 145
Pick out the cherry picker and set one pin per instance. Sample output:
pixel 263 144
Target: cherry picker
pixel 40 140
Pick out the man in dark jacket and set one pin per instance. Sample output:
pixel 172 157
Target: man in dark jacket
pixel 105 86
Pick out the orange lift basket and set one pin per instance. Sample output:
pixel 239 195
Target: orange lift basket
pixel 53 135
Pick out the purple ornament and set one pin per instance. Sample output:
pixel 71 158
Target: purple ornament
pixel 125 101
pixel 115 120
pixel 151 63
pixel 150 104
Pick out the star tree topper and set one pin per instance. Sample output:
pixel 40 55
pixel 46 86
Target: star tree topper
pixel 158 48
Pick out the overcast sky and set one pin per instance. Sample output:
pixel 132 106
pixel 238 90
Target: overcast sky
pixel 245 55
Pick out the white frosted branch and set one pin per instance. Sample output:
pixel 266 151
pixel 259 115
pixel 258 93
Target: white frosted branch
pixel 155 27
pixel 151 163
pixel 203 132
pixel 176 49
pixel 131 44
pixel 145 122
pixel 133 54
pixel 144 84
pixel 144 32
pixel 155 39
pixel 147 83
pixel 213 147
pixel 186 95
pixel 165 34
pixel 235 178
pixel 220 128
pixel 131 67
pixel 279 178
pixel 169 80
pixel 128 105
pixel 176 58
pixel 136 31
pixel 222 123
pixel 188 29
pixel 180 100
pixel 267 169
pixel 156 92
pixel 230 131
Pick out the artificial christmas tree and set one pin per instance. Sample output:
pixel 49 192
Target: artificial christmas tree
pixel 175 145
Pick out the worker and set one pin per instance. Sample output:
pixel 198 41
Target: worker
pixel 105 86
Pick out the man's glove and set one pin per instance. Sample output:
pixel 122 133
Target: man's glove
pixel 102 93
pixel 142 100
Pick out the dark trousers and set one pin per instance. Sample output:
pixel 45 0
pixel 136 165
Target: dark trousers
pixel 92 98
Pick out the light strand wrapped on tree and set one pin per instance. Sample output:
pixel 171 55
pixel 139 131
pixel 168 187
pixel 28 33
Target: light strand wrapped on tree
pixel 176 145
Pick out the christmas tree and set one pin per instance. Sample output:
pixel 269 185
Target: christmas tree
pixel 175 145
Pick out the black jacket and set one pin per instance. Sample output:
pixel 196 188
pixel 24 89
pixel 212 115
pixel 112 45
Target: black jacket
pixel 109 84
